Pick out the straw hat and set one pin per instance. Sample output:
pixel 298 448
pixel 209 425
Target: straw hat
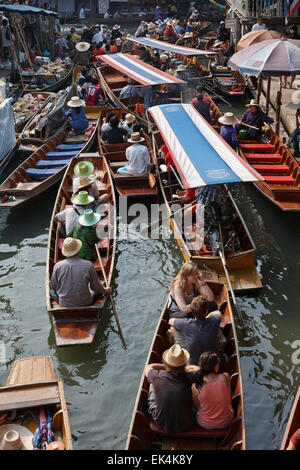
pixel 71 247
pixel 170 22
pixel 15 437
pixel 83 168
pixel 218 43
pixel 82 46
pixel 85 182
pixel 228 119
pixel 253 102
pixel 176 356
pixel 180 68
pixel 82 198
pixel 117 26
pixel 135 137
pixel 151 26
pixel 75 102
pixel 89 218
pixel 129 118
pixel 188 35
pixel 163 58
pixel 118 41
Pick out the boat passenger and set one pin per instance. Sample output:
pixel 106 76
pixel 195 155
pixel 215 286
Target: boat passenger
pixel 75 37
pixel 203 107
pixel 69 216
pixel 94 93
pixel 78 121
pixel 87 35
pixel 115 135
pixel 106 122
pixel 195 16
pixel 84 169
pixel 74 281
pixel 223 33
pixel 138 157
pixel 200 91
pixel 87 83
pixel 82 56
pixel 99 50
pixel 201 332
pixel 212 394
pixel 170 395
pixel 254 117
pixel 228 132
pixel 169 33
pixel 119 44
pixel 129 122
pixel 294 443
pixel 85 231
pixel 131 90
pixel 142 29
pixel 116 33
pixel 295 136
pixel 164 59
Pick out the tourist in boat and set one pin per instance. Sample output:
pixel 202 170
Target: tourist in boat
pixel 200 91
pixel 69 216
pixel 180 27
pixel 87 35
pixel 169 33
pixel 116 32
pixel 115 135
pixel 259 25
pixel 99 50
pixel 131 90
pixel 85 231
pixel 106 122
pixel 295 135
pixel 212 394
pixel 87 83
pixel 203 107
pixel 78 121
pixel 164 59
pixel 141 30
pixel 160 27
pixel 94 93
pixel 228 132
pixel 85 169
pixel 89 184
pixel 195 16
pixel 170 393
pixel 129 122
pixel 75 37
pixel 118 44
pixel 139 161
pixel 222 33
pixel 253 117
pixel 294 443
pixel 74 281
pixel 82 56
pixel 200 333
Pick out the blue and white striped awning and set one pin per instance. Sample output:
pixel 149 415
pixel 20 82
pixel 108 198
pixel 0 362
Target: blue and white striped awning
pixel 166 46
pixel 199 153
pixel 138 70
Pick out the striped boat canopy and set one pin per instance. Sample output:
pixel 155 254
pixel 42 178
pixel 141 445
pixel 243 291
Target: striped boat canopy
pixel 138 70
pixel 166 46
pixel 199 153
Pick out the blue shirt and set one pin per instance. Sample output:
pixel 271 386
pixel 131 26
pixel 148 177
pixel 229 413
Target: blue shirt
pixel 131 91
pixel 148 97
pixel 78 121
pixel 229 135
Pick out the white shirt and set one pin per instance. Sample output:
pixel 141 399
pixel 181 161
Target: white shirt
pixel 257 27
pixel 97 37
pixel 70 217
pixel 81 13
pixel 138 158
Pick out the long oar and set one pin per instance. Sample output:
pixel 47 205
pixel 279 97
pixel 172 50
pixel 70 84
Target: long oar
pixel 248 125
pixel 211 90
pixel 223 259
pixel 110 296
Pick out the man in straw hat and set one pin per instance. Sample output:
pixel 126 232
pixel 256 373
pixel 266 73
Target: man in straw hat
pixel 255 118
pixel 170 396
pixel 74 281
pixel 78 121
pixel 138 157
pixel 128 123
pixel 69 216
pixel 228 131
pixel 82 56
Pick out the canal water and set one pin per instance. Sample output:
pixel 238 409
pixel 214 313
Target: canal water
pixel 101 380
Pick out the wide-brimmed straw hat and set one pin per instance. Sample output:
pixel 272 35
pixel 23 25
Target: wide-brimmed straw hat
pixel 188 35
pixel 181 68
pixel 15 437
pixel 163 57
pixel 75 102
pixel 83 168
pixel 82 198
pixel 82 46
pixel 218 43
pixel 85 182
pixel 176 356
pixel 89 218
pixel 130 118
pixel 71 247
pixel 170 22
pixel 228 119
pixel 135 137
pixel 117 26
pixel 253 102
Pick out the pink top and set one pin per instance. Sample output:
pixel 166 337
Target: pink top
pixel 215 404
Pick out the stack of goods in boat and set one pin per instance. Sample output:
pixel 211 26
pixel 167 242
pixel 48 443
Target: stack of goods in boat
pixel 26 106
pixel 46 75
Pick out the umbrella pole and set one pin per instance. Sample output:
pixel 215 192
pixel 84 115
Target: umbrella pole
pixel 278 105
pixel 259 88
pixel 268 95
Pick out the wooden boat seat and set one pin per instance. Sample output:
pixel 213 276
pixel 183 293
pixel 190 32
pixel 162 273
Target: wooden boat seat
pixel 257 147
pixel 28 185
pixel 56 305
pixel 288 180
pixel 118 164
pixel 195 431
pixel 51 163
pixel 263 157
pixel 41 173
pixel 59 155
pixel 69 147
pixel 20 396
pixel 281 169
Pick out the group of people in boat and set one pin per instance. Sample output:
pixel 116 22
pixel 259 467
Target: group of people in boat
pixel 188 387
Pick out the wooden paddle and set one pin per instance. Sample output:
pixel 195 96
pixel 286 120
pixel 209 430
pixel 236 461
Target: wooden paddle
pixel 152 180
pixel 223 259
pixel 110 296
pixel 248 125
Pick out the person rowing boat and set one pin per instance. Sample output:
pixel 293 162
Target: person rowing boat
pixel 254 117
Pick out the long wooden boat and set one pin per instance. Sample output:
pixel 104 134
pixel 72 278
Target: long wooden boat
pixel 126 185
pixel 280 170
pixel 293 422
pixel 46 166
pixel 78 326
pixel 144 434
pixel 27 106
pixel 228 81
pixel 53 87
pixel 209 46
pixel 31 385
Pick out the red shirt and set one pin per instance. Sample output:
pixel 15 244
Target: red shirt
pixel 96 52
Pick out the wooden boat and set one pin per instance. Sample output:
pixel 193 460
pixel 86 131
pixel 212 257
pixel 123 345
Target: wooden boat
pixel 144 434
pixel 209 46
pixel 293 422
pixel 9 156
pixel 276 164
pixel 26 107
pixel 241 263
pixel 46 166
pixel 52 87
pixel 126 185
pixel 230 82
pixel 78 326
pixel 31 385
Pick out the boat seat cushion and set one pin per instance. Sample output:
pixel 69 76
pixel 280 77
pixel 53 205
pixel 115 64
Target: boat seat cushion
pixel 259 147
pixel 279 169
pixel 51 163
pixel 41 173
pixel 195 431
pixel 58 155
pixel 264 157
pixel 69 147
pixel 279 179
